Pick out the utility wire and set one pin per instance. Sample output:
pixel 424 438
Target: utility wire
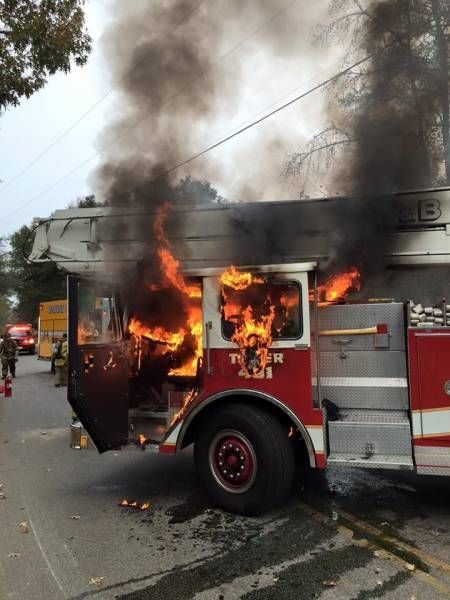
pixel 63 134
pixel 263 118
pixel 272 18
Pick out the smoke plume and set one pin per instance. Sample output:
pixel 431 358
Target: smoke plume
pixel 184 69
pixel 384 111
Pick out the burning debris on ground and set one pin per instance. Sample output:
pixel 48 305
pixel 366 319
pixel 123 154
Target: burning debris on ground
pixel 142 506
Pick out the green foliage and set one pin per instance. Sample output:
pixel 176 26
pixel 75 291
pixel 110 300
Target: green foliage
pixel 194 191
pixel 85 202
pixel 32 283
pixel 402 92
pixel 5 301
pixel 37 39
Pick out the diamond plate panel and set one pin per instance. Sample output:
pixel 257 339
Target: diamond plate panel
pixel 363 364
pixel 381 461
pixel 373 438
pixel 360 316
pixel 376 417
pixel 365 397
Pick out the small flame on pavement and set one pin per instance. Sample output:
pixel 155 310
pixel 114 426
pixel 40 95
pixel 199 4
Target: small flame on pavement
pixel 136 505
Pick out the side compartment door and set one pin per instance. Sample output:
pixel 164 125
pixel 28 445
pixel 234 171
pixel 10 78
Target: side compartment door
pixel 98 364
pixel 433 353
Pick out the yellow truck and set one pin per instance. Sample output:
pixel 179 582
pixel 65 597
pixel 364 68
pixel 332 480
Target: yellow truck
pixel 52 325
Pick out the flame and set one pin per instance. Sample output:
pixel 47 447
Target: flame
pixel 137 505
pixel 142 439
pixel 189 397
pixel 172 340
pixel 190 334
pixel 85 332
pixel 171 269
pixel 253 324
pixel 254 337
pixel 339 286
pixel 238 280
pixel 195 330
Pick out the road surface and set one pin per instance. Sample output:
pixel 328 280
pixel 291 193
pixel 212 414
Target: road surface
pixel 344 535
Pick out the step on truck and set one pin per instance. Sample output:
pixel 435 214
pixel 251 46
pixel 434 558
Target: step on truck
pixel 268 369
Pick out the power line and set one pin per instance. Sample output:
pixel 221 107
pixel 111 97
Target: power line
pixel 263 118
pixel 86 113
pixel 273 16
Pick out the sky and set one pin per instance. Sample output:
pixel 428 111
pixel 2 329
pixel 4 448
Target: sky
pixel 27 130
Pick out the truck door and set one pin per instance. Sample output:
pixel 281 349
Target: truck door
pixel 98 365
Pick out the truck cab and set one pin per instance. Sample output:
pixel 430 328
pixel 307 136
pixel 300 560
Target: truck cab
pixel 132 386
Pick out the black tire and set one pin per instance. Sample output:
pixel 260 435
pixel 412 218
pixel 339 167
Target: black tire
pixel 33 350
pixel 270 454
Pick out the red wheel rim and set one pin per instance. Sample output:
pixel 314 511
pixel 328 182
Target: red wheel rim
pixel 232 460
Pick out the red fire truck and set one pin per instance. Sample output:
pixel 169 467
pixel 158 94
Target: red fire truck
pixel 274 371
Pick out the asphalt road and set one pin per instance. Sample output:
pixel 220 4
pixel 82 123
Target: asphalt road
pixel 344 535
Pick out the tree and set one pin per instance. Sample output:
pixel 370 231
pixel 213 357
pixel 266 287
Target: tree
pixel 37 39
pixel 5 302
pixel 86 202
pixel 399 100
pixel 32 283
pixel 195 191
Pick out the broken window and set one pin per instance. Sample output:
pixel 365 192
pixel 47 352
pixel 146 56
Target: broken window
pixel 273 304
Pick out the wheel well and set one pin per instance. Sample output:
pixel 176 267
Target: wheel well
pixel 291 427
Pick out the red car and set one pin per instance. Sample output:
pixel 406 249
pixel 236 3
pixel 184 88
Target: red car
pixel 23 335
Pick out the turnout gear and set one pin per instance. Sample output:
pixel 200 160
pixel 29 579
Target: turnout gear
pixel 8 355
pixel 61 362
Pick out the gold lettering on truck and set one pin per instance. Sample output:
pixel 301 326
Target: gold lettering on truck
pixel 267 373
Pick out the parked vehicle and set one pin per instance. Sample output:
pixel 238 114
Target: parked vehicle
pixel 274 371
pixel 52 325
pixel 23 335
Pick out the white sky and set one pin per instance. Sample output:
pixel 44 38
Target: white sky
pixel 26 130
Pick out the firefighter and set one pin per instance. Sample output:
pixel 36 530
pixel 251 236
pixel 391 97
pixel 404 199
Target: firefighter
pixel 61 362
pixel 8 355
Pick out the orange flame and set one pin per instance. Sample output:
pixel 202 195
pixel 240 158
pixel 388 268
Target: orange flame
pixel 194 327
pixel 253 334
pixel 189 397
pixel 190 334
pixel 172 340
pixel 142 439
pixel 238 280
pixel 137 505
pixel 171 270
pixel 254 337
pixel 339 286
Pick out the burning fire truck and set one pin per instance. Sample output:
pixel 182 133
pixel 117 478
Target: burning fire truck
pixel 264 368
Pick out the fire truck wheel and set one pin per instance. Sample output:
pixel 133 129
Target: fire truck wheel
pixel 245 459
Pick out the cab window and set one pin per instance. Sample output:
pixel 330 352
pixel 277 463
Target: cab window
pixel 283 297
pixel 97 317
